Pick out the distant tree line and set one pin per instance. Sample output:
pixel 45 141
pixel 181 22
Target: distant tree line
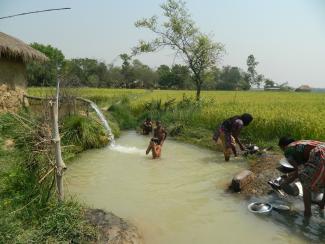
pixel 134 74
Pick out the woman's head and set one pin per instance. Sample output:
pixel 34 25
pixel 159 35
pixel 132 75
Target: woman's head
pixel 246 118
pixel 285 141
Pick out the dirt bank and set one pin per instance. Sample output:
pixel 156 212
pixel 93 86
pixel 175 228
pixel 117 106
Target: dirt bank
pixel 112 229
pixel 264 168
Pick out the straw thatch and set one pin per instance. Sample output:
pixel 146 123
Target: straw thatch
pixel 303 88
pixel 13 48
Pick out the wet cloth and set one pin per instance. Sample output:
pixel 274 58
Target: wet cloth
pixel 311 156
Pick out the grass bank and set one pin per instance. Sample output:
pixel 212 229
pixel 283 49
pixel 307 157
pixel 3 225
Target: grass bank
pixel 300 115
pixel 30 212
pixel 190 121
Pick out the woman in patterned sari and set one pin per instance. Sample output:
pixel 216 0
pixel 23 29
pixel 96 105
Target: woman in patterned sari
pixel 308 159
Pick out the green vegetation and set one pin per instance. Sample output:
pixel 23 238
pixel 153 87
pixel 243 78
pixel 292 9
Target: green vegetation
pixel 275 113
pixel 29 209
pixel 83 132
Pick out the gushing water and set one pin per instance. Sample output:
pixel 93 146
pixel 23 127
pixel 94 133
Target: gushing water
pixel 104 122
pixel 113 146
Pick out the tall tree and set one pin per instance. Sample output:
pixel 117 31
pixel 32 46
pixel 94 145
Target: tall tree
pixel 229 78
pixel 144 75
pixel 45 74
pixel 251 69
pixel 180 34
pixel 127 71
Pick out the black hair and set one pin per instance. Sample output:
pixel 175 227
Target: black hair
pixel 155 140
pixel 246 118
pixel 284 141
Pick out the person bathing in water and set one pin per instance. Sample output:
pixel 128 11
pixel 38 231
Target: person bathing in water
pixel 160 133
pixel 147 127
pixel 157 141
pixel 308 159
pixel 229 131
pixel 154 147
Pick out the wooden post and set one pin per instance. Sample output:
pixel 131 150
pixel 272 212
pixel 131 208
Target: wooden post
pixel 60 166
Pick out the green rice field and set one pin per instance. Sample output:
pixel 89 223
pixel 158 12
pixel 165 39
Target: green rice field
pixel 301 115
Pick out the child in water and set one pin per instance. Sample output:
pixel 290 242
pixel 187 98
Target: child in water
pixel 154 147
pixel 157 141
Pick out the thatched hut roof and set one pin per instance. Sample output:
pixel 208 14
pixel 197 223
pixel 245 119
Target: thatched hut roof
pixel 14 48
pixel 304 88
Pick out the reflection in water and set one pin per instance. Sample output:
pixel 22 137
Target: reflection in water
pixel 178 198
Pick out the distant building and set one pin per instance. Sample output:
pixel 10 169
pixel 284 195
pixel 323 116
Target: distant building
pixel 303 88
pixel 272 88
pixel 14 54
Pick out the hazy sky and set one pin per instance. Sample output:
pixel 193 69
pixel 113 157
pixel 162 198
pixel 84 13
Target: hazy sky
pixel 287 37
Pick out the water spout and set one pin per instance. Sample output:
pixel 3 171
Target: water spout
pixel 102 119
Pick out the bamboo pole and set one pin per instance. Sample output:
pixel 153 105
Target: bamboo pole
pixel 60 166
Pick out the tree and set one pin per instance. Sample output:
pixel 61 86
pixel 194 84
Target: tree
pixel 244 83
pixel 269 83
pixel 45 74
pixel 127 71
pixel 229 78
pixel 180 34
pixel 164 75
pixel 145 77
pixel 115 77
pixel 87 72
pixel 212 78
pixel 177 77
pixel 251 64
pixel 259 80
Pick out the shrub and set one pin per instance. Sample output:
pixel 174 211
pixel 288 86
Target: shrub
pixel 84 132
pixel 122 113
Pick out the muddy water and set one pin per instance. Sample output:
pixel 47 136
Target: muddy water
pixel 178 199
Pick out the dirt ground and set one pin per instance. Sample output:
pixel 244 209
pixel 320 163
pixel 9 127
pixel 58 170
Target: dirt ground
pixel 112 229
pixel 264 169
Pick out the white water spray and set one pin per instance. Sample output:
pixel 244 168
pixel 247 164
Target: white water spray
pixel 113 146
pixel 104 122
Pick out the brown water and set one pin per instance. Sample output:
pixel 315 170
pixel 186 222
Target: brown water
pixel 178 199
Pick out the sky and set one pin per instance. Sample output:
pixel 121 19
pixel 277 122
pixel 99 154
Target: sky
pixel 287 37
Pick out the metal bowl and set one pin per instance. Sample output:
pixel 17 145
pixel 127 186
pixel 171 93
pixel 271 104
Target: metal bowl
pixel 284 162
pixel 296 187
pixel 259 207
